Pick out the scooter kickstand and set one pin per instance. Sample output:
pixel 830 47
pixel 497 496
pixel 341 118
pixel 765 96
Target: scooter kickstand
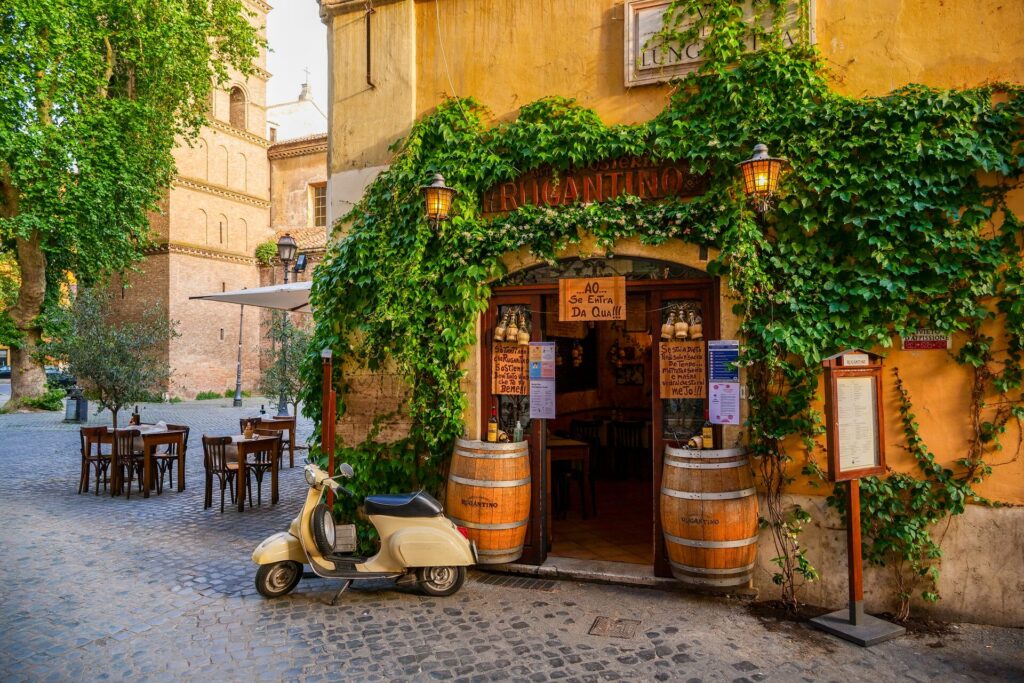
pixel 344 587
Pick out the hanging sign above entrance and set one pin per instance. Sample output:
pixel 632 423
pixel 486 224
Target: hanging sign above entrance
pixel 683 372
pixel 509 369
pixel 604 180
pixel 592 298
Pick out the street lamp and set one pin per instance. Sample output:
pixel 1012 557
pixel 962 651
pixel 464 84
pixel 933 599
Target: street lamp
pixel 286 248
pixel 761 175
pixel 438 197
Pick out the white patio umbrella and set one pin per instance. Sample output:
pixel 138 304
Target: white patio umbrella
pixel 293 296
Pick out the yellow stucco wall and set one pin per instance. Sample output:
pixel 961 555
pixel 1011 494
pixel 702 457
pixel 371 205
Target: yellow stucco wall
pixel 507 53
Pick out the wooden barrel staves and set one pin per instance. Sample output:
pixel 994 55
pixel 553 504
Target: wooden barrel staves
pixel 489 494
pixel 709 516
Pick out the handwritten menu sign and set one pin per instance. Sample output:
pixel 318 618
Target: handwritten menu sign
pixel 592 298
pixel 856 423
pixel 683 371
pixel 509 369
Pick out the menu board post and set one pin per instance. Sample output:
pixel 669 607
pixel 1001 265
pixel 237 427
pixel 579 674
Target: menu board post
pixel 856 448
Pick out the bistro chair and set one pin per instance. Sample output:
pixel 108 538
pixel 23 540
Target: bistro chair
pixel 166 458
pixel 264 458
pixel 279 427
pixel 218 464
pixel 93 458
pixel 589 432
pixel 625 440
pixel 130 458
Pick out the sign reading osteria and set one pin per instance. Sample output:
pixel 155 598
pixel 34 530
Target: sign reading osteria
pixel 637 176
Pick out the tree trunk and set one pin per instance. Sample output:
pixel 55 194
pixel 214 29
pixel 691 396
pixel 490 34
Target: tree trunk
pixel 27 376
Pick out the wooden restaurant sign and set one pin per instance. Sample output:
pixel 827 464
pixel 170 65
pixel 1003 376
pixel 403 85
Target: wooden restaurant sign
pixel 638 176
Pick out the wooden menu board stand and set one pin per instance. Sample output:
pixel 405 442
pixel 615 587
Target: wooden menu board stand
pixel 856 448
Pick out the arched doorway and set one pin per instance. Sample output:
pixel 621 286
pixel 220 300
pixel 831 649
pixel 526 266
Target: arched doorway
pixel 597 462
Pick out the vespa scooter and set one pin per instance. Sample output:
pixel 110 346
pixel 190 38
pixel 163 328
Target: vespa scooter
pixel 417 543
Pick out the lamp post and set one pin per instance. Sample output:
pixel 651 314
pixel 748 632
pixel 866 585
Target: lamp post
pixel 237 402
pixel 761 174
pixel 286 247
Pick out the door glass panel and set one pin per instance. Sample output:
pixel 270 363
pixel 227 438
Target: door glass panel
pixel 682 418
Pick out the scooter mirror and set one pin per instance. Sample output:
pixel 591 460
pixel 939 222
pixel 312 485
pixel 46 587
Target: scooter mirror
pixel 346 470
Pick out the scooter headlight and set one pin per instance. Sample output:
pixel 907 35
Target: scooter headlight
pixel 310 475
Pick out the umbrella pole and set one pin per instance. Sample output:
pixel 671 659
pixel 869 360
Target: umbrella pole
pixel 237 403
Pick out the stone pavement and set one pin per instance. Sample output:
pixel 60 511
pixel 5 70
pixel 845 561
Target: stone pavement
pixel 111 589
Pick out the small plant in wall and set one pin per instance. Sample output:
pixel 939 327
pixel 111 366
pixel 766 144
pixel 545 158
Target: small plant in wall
pixel 266 252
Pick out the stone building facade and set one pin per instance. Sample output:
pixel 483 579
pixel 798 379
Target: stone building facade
pixel 395 63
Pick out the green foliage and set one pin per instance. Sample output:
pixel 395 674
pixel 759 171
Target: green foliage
pixel 883 226
pixel 95 97
pixel 289 344
pixel 230 393
pixel 52 399
pixel 174 399
pixel 899 513
pixel 266 252
pixel 119 363
pixel 208 395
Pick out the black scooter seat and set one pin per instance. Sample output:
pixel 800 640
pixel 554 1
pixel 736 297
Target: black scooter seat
pixel 419 504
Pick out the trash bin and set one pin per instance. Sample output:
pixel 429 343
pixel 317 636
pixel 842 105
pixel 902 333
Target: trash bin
pixel 77 407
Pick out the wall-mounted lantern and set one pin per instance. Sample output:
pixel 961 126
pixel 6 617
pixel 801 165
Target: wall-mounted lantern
pixel 438 198
pixel 761 175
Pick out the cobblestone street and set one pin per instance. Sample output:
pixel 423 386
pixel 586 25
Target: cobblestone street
pixel 102 588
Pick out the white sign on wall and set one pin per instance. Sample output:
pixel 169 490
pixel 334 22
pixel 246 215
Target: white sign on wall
pixel 648 61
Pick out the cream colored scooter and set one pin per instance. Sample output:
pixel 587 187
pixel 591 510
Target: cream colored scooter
pixel 417 543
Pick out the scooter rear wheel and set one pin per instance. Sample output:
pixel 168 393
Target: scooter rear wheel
pixel 440 581
pixel 277 579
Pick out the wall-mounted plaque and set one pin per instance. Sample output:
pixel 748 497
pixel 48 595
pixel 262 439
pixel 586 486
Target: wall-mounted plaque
pixel 927 340
pixel 509 369
pixel 592 298
pixel 650 61
pixel 683 370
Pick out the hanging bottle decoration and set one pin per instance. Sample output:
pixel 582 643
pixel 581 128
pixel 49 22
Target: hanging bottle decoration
pixel 668 329
pixel 524 329
pixel 512 331
pixel 696 326
pixel 682 327
pixel 501 329
pixel 577 354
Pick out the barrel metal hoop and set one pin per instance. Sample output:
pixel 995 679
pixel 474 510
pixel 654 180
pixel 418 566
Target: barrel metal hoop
pixel 704 453
pixel 489 527
pixel 491 456
pixel 503 551
pixel 706 465
pixel 502 446
pixel 487 483
pixel 700 581
pixel 708 495
pixel 707 570
pixel 695 543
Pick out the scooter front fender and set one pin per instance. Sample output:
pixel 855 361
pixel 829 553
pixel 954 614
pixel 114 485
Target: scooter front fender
pixel 278 548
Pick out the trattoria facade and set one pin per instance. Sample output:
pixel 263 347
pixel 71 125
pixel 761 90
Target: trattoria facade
pixel 612 343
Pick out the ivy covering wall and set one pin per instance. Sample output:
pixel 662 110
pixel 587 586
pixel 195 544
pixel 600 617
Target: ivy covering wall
pixel 893 217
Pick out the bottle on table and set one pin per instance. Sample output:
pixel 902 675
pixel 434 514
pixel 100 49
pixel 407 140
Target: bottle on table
pixel 517 434
pixel 492 425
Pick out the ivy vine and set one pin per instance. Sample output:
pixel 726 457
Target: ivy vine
pixel 888 222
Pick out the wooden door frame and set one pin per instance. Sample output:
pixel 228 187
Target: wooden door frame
pixel 707 291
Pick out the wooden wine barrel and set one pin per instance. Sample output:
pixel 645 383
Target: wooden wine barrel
pixel 489 494
pixel 709 516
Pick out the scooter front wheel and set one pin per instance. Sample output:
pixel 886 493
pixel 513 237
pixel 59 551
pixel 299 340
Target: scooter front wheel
pixel 440 581
pixel 277 579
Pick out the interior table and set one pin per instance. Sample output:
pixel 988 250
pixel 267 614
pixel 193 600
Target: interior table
pixel 560 448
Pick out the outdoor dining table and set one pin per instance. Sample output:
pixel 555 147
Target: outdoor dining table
pixel 242 447
pixel 150 436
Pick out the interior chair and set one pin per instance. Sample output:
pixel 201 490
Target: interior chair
pixel 625 440
pixel 93 458
pixel 588 431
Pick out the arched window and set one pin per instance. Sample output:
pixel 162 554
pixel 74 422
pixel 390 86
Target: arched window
pixel 236 117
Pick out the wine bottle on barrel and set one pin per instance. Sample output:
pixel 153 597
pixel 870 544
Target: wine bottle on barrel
pixel 492 425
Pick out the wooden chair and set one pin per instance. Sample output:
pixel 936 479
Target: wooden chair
pixel 217 463
pixel 263 459
pixel 589 432
pixel 280 427
pixel 130 458
pixel 625 441
pixel 166 458
pixel 93 458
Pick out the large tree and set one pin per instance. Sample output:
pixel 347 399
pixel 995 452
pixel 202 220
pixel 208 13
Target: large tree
pixel 94 95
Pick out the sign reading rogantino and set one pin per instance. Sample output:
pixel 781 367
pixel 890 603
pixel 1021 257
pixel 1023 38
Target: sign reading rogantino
pixel 592 298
